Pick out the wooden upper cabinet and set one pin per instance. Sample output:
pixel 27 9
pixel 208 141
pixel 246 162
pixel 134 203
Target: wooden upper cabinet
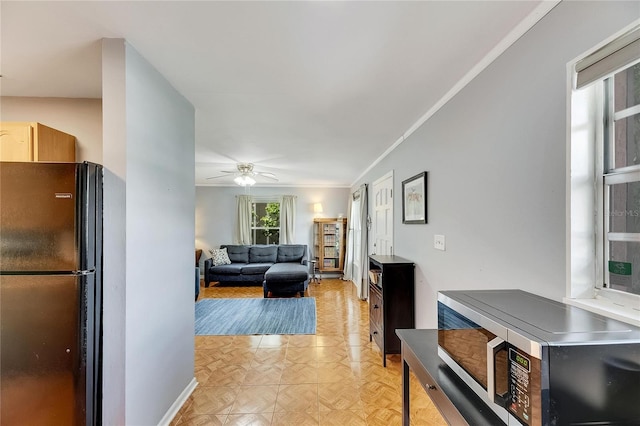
pixel 30 141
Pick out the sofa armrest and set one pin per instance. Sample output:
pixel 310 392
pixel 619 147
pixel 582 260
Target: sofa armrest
pixel 208 263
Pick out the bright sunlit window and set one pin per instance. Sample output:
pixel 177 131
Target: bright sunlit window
pixel 604 218
pixel 265 222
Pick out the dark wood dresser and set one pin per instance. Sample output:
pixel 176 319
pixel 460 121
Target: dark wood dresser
pixel 391 301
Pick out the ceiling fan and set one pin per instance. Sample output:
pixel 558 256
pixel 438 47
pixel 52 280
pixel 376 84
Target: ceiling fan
pixel 245 175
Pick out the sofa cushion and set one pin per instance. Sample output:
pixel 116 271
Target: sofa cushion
pixel 237 253
pixel 263 254
pixel 232 269
pixel 255 268
pixel 291 253
pixel 254 279
pixel 219 256
pixel 287 272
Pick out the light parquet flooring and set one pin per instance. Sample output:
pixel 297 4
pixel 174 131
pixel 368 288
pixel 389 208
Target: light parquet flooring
pixel 335 377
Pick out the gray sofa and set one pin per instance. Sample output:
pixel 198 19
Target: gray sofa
pixel 280 269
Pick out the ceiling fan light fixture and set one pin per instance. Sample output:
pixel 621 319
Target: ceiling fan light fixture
pixel 245 175
pixel 244 180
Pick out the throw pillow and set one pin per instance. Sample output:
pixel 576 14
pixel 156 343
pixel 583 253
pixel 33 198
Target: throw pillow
pixel 220 256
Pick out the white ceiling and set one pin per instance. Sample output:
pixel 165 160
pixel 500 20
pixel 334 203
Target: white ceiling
pixel 314 92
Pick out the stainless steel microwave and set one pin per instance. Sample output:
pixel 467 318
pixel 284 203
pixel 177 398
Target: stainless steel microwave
pixel 535 361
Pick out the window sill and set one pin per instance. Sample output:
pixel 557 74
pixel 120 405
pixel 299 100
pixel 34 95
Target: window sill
pixel 607 308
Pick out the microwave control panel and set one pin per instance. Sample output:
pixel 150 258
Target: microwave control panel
pixel 519 403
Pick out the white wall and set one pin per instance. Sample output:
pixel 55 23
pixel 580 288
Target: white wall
pixel 496 158
pixel 149 232
pixel 216 210
pixel 81 118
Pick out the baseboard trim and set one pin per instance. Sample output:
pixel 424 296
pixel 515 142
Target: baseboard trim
pixel 175 407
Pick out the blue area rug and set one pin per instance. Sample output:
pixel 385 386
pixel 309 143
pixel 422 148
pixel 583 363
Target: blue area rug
pixel 225 317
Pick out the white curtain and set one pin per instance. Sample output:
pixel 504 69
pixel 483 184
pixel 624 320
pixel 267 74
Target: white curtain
pixel 287 219
pixel 348 256
pixel 356 263
pixel 243 220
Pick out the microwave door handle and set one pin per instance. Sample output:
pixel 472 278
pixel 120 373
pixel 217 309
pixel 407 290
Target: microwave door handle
pixel 492 349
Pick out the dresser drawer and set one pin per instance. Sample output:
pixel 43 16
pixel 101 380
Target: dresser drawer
pixel 376 334
pixel 376 308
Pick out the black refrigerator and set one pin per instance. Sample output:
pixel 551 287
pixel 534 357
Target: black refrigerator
pixel 50 293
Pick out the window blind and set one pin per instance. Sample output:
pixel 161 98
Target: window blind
pixel 620 53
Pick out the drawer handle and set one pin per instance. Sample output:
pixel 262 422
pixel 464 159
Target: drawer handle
pixel 431 387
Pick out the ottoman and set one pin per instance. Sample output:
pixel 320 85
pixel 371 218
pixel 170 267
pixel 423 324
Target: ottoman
pixel 286 278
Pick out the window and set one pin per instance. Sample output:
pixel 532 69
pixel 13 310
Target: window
pixel 265 222
pixel 621 178
pixel 604 214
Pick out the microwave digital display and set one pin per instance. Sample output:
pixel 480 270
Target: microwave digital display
pixel 521 360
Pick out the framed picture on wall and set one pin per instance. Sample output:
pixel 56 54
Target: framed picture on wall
pixel 414 199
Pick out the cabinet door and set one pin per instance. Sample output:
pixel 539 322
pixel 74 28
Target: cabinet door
pixel 329 243
pixel 16 142
pixel 316 243
pixel 328 253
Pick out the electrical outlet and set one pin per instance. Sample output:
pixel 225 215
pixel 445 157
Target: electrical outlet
pixel 438 242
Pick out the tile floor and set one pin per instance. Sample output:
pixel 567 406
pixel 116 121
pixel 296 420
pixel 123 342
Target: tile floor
pixel 332 378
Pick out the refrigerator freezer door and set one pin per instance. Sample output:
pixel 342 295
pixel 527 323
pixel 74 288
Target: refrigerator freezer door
pixel 38 216
pixel 44 331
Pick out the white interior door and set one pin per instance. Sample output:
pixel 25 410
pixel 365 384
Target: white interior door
pixel 383 215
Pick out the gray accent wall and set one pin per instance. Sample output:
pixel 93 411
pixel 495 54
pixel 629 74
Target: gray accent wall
pixel 148 153
pixel 496 159
pixel 216 211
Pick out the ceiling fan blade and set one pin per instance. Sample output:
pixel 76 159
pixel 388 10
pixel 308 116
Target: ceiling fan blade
pixel 267 175
pixel 225 175
pixel 216 177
